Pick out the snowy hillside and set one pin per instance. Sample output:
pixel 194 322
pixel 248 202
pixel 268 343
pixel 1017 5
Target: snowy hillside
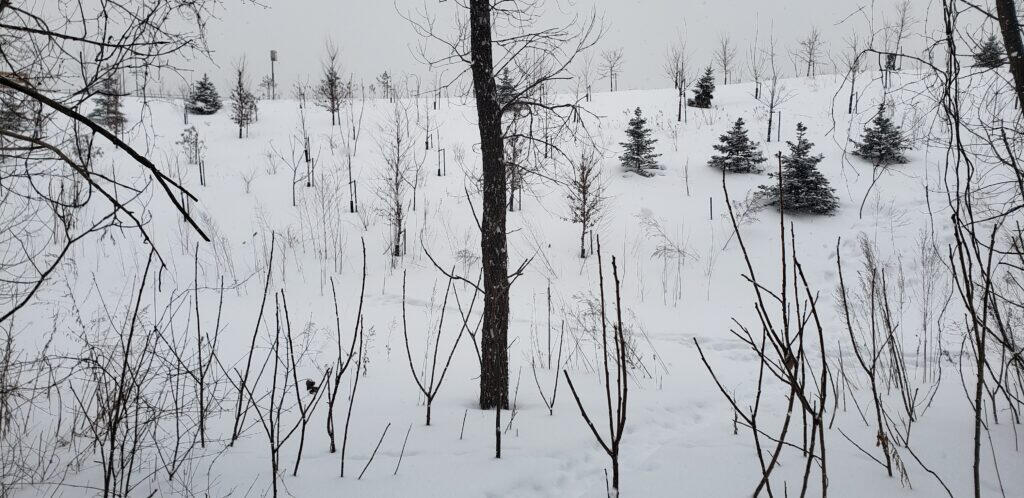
pixel 682 283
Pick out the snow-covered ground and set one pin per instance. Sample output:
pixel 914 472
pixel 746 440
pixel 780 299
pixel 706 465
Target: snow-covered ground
pixel 679 438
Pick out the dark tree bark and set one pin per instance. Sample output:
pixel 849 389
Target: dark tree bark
pixel 1010 26
pixel 494 350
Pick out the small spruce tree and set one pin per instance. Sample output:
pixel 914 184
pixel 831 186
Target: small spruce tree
pixel 803 188
pixel 738 153
pixel 384 84
pixel 883 142
pixel 329 92
pixel 243 103
pixel 638 154
pixel 12 111
pixel 506 92
pixel 704 91
pixel 204 99
pixel 108 112
pixel 990 54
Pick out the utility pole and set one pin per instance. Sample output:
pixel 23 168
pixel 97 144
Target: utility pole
pixel 273 79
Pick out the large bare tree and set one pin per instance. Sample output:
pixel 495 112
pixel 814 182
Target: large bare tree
pixel 490 37
pixel 1009 25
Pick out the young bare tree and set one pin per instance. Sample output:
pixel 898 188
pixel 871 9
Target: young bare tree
pixel 268 86
pixel 757 64
pixel 777 92
pixel 612 359
pixel 783 348
pixel 611 66
pixel 899 30
pixel 852 62
pixel 725 57
pixel 349 142
pixel 398 147
pixel 330 90
pixel 294 157
pixel 585 75
pixel 677 68
pixel 811 52
pixel 430 380
pixel 870 312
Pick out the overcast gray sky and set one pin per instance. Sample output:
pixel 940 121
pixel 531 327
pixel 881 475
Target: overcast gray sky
pixel 373 37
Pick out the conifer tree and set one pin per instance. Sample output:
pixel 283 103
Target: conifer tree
pixel 506 91
pixel 883 142
pixel 586 195
pixel 738 153
pixel 990 54
pixel 14 117
pixel 108 112
pixel 384 82
pixel 243 103
pixel 704 91
pixel 329 92
pixel 12 113
pixel 638 154
pixel 204 99
pixel 803 188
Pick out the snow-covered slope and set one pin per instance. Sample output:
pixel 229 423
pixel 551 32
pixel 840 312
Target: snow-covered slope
pixel 679 438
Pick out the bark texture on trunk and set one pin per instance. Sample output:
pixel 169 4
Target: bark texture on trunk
pixel 494 253
pixel 1010 26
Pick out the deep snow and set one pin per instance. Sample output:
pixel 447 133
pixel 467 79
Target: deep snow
pixel 679 436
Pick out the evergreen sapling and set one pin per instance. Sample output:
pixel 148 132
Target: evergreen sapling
pixel 738 154
pixel 883 142
pixel 204 99
pixel 638 155
pixel 803 188
pixel 108 112
pixel 506 92
pixel 990 54
pixel 704 91
pixel 243 104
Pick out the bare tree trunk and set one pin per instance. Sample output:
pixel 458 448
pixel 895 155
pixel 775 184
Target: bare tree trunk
pixel 679 111
pixel 494 253
pixel 979 345
pixel 1010 26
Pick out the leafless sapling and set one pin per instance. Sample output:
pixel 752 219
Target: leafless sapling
pixel 611 67
pixel 777 92
pixel 617 390
pixel 430 386
pixel 677 67
pixel 725 57
pixel 811 52
pixel 398 151
pixel 783 348
pixel 343 359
